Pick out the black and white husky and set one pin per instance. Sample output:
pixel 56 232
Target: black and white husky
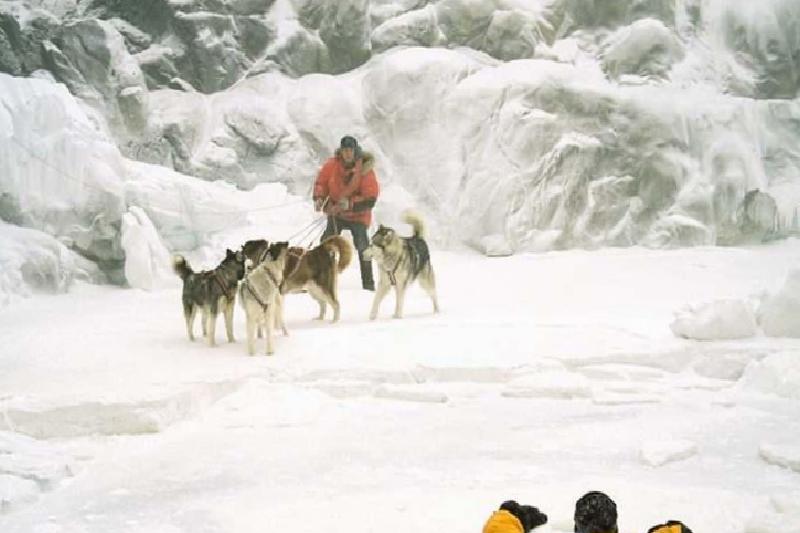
pixel 401 260
pixel 260 296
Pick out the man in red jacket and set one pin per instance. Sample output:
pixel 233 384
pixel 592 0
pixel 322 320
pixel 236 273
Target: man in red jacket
pixel 346 190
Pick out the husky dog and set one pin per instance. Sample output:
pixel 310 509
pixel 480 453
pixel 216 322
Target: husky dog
pixel 317 271
pixel 210 291
pixel 255 250
pixel 260 296
pixel 401 260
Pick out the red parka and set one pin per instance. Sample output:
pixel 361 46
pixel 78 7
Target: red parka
pixel 356 184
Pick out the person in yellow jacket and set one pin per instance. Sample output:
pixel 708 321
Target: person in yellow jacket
pixel 514 518
pixel 673 526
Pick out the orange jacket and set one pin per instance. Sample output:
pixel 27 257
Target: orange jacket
pixel 503 522
pixel 673 526
pixel 332 185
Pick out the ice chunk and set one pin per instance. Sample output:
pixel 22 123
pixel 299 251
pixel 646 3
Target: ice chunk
pixel 779 314
pixel 786 455
pixel 496 246
pixel 34 261
pixel 778 374
pixel 718 320
pixel 147 260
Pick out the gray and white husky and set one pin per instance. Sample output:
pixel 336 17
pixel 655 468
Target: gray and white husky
pixel 260 296
pixel 210 291
pixel 401 260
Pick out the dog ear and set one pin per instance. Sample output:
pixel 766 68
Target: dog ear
pixel 275 250
pixel 240 256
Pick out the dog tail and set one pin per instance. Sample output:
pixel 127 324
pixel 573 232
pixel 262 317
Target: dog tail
pixel 339 244
pixel 181 267
pixel 416 222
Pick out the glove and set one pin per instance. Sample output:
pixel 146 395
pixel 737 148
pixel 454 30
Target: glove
pixel 318 203
pixel 331 208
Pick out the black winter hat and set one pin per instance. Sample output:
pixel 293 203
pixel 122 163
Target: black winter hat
pixel 595 513
pixel 348 141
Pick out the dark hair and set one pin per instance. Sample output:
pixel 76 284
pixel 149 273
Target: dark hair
pixel 595 512
pixel 529 516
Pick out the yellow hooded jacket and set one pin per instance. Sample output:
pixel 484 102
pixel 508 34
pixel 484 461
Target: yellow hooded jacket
pixel 503 522
pixel 668 528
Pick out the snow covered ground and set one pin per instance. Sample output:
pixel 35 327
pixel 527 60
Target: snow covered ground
pixel 545 376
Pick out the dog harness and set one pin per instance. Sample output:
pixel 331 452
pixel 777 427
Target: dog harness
pixel 255 294
pixel 221 282
pixel 393 273
pixel 299 257
pixel 417 251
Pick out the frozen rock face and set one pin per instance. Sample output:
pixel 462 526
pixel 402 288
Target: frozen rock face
pixel 67 180
pixel 300 51
pixel 209 45
pixel 516 125
pixel 20 52
pixel 572 160
pixel 32 261
pixel 345 30
pixel 415 28
pixel 610 13
pixel 645 48
pixel 92 60
pixel 749 48
pixel 499 28
pixel 764 39
pixel 59 174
